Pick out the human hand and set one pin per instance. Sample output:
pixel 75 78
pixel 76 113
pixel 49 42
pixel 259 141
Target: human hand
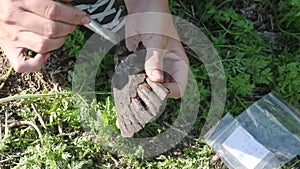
pixel 41 26
pixel 157 32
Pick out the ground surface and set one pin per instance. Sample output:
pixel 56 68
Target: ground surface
pixel 64 137
pixel 52 77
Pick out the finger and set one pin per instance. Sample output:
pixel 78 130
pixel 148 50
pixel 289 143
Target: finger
pixel 175 90
pixel 39 43
pixel 178 82
pixel 44 27
pixel 57 11
pixel 176 67
pixel 156 48
pixel 167 78
pixel 20 64
pixel 34 64
pixel 179 73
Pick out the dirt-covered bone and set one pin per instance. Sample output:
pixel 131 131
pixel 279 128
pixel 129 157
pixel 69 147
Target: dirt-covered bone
pixel 159 89
pixel 137 99
pixel 150 99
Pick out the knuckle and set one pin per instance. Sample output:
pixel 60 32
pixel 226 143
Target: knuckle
pixel 45 45
pixel 8 14
pixel 52 11
pixel 51 30
pixel 13 35
pixel 41 46
pixel 61 42
pixel 75 14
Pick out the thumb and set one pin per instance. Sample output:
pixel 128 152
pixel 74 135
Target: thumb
pixel 156 46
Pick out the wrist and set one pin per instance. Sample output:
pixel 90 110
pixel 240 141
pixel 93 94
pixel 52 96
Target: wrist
pixel 140 6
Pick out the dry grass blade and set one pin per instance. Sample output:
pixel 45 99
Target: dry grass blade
pixel 29 96
pixel 12 157
pixel 6 77
pixel 6 126
pixel 20 123
pixel 38 115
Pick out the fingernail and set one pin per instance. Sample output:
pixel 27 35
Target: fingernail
pixel 157 75
pixel 85 20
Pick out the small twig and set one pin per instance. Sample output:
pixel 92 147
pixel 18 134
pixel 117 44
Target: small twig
pixel 115 161
pixel 272 24
pixel 29 96
pixel 295 35
pixel 27 128
pixel 223 3
pixel 41 79
pixel 0 132
pixel 38 115
pixel 238 98
pixel 193 11
pixel 60 129
pixel 20 123
pixel 6 126
pixel 68 134
pixel 12 157
pixel 32 96
pixel 214 159
pixel 6 77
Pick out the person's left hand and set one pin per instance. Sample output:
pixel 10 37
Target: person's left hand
pixel 165 52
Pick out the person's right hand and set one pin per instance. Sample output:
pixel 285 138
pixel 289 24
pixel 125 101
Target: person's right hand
pixel 39 25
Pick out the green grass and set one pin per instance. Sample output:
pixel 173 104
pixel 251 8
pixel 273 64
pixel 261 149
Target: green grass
pixel 254 64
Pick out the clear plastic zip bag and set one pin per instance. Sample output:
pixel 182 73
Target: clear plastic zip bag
pixel 264 136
